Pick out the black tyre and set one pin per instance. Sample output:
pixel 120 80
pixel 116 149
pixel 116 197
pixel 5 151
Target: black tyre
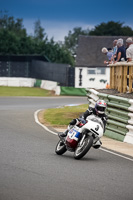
pixel 60 148
pixel 84 148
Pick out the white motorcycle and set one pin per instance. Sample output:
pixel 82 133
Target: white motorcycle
pixel 82 137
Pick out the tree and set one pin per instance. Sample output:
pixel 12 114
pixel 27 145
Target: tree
pixel 58 53
pixel 112 28
pixel 27 45
pixel 14 40
pixel 39 33
pixel 11 24
pixel 8 43
pixel 71 41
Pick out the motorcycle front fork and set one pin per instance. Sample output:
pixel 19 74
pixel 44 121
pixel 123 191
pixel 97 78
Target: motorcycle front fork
pixel 81 141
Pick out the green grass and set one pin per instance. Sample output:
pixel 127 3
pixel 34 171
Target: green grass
pixel 23 91
pixel 62 116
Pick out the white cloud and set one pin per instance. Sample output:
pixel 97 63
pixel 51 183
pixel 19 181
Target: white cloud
pixel 55 29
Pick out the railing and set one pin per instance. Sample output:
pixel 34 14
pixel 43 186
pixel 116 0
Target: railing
pixel 121 77
pixel 120 114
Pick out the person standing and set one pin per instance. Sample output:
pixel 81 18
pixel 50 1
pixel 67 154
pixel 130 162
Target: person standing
pixel 121 51
pixel 129 55
pixel 114 49
pixel 129 50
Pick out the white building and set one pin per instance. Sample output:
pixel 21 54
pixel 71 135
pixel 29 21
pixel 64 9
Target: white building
pixel 97 77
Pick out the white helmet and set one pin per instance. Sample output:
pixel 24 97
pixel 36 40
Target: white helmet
pixel 100 106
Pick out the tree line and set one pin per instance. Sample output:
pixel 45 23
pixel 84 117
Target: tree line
pixel 15 40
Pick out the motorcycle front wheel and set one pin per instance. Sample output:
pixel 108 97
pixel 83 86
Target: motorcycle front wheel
pixel 60 148
pixel 82 149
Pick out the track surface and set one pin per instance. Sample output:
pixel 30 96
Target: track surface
pixel 30 169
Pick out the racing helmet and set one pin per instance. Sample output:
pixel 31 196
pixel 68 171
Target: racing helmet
pixel 100 106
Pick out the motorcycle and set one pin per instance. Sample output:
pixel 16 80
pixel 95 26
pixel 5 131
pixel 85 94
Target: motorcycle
pixel 82 137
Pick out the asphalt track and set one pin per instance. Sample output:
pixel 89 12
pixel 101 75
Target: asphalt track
pixel 30 169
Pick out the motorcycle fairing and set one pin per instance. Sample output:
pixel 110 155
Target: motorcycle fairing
pixel 72 138
pixel 74 134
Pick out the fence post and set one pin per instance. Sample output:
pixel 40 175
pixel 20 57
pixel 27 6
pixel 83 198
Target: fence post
pixel 130 77
pixel 125 67
pixel 120 81
pixel 112 77
pixel 120 78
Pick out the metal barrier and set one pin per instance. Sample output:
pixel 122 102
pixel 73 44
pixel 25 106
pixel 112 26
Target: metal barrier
pixel 120 112
pixel 121 76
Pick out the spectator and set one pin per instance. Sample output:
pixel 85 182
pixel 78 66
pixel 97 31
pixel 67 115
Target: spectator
pixel 121 51
pixel 129 55
pixel 129 51
pixel 114 48
pixel 114 51
pixel 108 52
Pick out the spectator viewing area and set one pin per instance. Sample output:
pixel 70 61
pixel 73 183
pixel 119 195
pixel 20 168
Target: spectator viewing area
pixel 121 66
pixel 104 62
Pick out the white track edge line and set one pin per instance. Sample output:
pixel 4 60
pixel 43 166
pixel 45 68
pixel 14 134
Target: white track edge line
pixel 37 121
pixel 116 154
pixel 47 129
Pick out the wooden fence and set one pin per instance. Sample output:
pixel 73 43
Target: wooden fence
pixel 121 77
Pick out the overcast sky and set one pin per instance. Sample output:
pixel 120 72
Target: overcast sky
pixel 59 16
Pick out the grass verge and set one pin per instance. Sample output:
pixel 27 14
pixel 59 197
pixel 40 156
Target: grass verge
pixel 62 116
pixel 24 91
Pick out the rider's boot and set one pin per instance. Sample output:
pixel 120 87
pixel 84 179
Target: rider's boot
pixel 62 135
pixel 98 144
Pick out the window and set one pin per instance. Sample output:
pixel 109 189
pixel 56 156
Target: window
pixel 99 70
pixel 91 71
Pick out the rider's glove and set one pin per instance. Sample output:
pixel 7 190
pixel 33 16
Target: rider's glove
pixel 105 118
pixel 74 122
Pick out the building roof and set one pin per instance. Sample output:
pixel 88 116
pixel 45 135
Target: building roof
pixel 89 50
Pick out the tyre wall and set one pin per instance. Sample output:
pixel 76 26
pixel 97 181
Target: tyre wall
pixel 120 115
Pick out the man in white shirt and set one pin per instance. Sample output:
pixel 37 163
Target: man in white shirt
pixel 129 51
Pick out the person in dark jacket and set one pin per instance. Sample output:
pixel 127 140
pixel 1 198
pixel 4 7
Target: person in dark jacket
pixel 121 51
pixel 98 110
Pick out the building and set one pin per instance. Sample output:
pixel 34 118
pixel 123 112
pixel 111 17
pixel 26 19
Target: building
pixel 90 70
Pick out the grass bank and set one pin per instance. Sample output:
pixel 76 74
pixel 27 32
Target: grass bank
pixel 62 116
pixel 23 91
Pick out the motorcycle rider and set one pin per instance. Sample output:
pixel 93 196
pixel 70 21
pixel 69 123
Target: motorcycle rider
pixel 98 110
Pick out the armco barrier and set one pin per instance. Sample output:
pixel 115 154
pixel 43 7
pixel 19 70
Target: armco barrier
pixel 120 113
pixel 92 96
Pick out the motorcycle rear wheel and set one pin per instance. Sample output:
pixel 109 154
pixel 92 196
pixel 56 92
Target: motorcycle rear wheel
pixel 60 148
pixel 84 148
